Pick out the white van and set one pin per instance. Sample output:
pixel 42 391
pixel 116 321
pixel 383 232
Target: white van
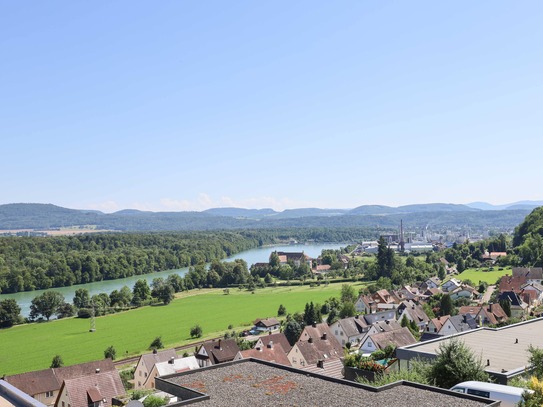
pixel 508 395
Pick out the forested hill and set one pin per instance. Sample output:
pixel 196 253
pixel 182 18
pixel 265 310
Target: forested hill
pixel 47 217
pixel 528 240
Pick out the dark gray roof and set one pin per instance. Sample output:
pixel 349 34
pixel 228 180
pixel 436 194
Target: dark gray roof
pixel 532 273
pixel 223 350
pixel 269 385
pixel 511 296
pixel 387 326
pixel 463 322
pixel 353 326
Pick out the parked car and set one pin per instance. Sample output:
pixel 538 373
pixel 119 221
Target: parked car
pixel 508 395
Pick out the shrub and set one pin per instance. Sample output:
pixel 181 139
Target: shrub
pixel 157 343
pixel 196 331
pixel 155 401
pixel 110 352
pixel 456 363
pixel 84 313
pixel 57 362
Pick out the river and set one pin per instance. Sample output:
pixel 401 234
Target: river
pixel 260 254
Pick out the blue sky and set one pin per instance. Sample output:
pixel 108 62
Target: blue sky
pixel 187 105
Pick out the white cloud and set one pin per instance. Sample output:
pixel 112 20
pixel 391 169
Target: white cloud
pixel 107 206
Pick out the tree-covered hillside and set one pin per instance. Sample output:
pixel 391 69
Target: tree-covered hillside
pixel 528 239
pixel 436 216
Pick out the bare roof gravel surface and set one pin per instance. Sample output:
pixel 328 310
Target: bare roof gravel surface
pixel 264 385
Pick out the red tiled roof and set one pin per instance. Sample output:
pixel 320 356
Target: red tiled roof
pixel 271 353
pixel 104 385
pixel 41 381
pixel 267 322
pixel 277 338
pixel 512 283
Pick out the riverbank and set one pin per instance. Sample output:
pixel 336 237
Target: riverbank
pixel 256 255
pixel 33 346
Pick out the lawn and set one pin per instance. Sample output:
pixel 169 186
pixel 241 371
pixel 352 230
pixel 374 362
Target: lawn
pixel 32 346
pixel 483 274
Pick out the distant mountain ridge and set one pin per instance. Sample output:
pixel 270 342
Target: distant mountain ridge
pixel 528 205
pixel 48 216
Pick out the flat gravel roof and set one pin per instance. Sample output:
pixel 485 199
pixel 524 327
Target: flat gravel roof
pixel 505 348
pixel 264 385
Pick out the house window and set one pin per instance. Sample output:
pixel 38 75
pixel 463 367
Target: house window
pixel 140 373
pixel 49 394
pixel 63 404
pixel 145 374
pixel 340 333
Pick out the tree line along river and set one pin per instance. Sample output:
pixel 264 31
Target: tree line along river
pixel 260 254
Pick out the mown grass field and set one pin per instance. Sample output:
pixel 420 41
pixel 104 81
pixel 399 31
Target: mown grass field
pixel 483 274
pixel 31 347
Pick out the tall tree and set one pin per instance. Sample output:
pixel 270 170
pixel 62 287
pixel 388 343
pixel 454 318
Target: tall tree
pixel 81 298
pixel 506 306
pixel 385 259
pixel 10 313
pixel 162 291
pixel 46 304
pixel 348 293
pixel 446 305
pixel 292 331
pixel 141 293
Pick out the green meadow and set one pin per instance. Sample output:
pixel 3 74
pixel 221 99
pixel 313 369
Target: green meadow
pixel 33 346
pixel 484 274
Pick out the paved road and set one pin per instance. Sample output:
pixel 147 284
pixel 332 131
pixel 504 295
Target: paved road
pixel 486 297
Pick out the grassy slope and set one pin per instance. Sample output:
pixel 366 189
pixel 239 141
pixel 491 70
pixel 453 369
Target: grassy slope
pixel 31 347
pixel 477 275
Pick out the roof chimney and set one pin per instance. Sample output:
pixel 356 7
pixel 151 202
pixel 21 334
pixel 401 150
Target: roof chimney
pixel 324 336
pixel 314 325
pixel 270 345
pixel 220 345
pixel 488 362
pixel 171 361
pixel 310 340
pixel 155 351
pixel 97 370
pixel 320 363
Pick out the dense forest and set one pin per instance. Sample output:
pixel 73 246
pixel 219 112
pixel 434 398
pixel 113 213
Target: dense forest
pixel 31 263
pixel 528 239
